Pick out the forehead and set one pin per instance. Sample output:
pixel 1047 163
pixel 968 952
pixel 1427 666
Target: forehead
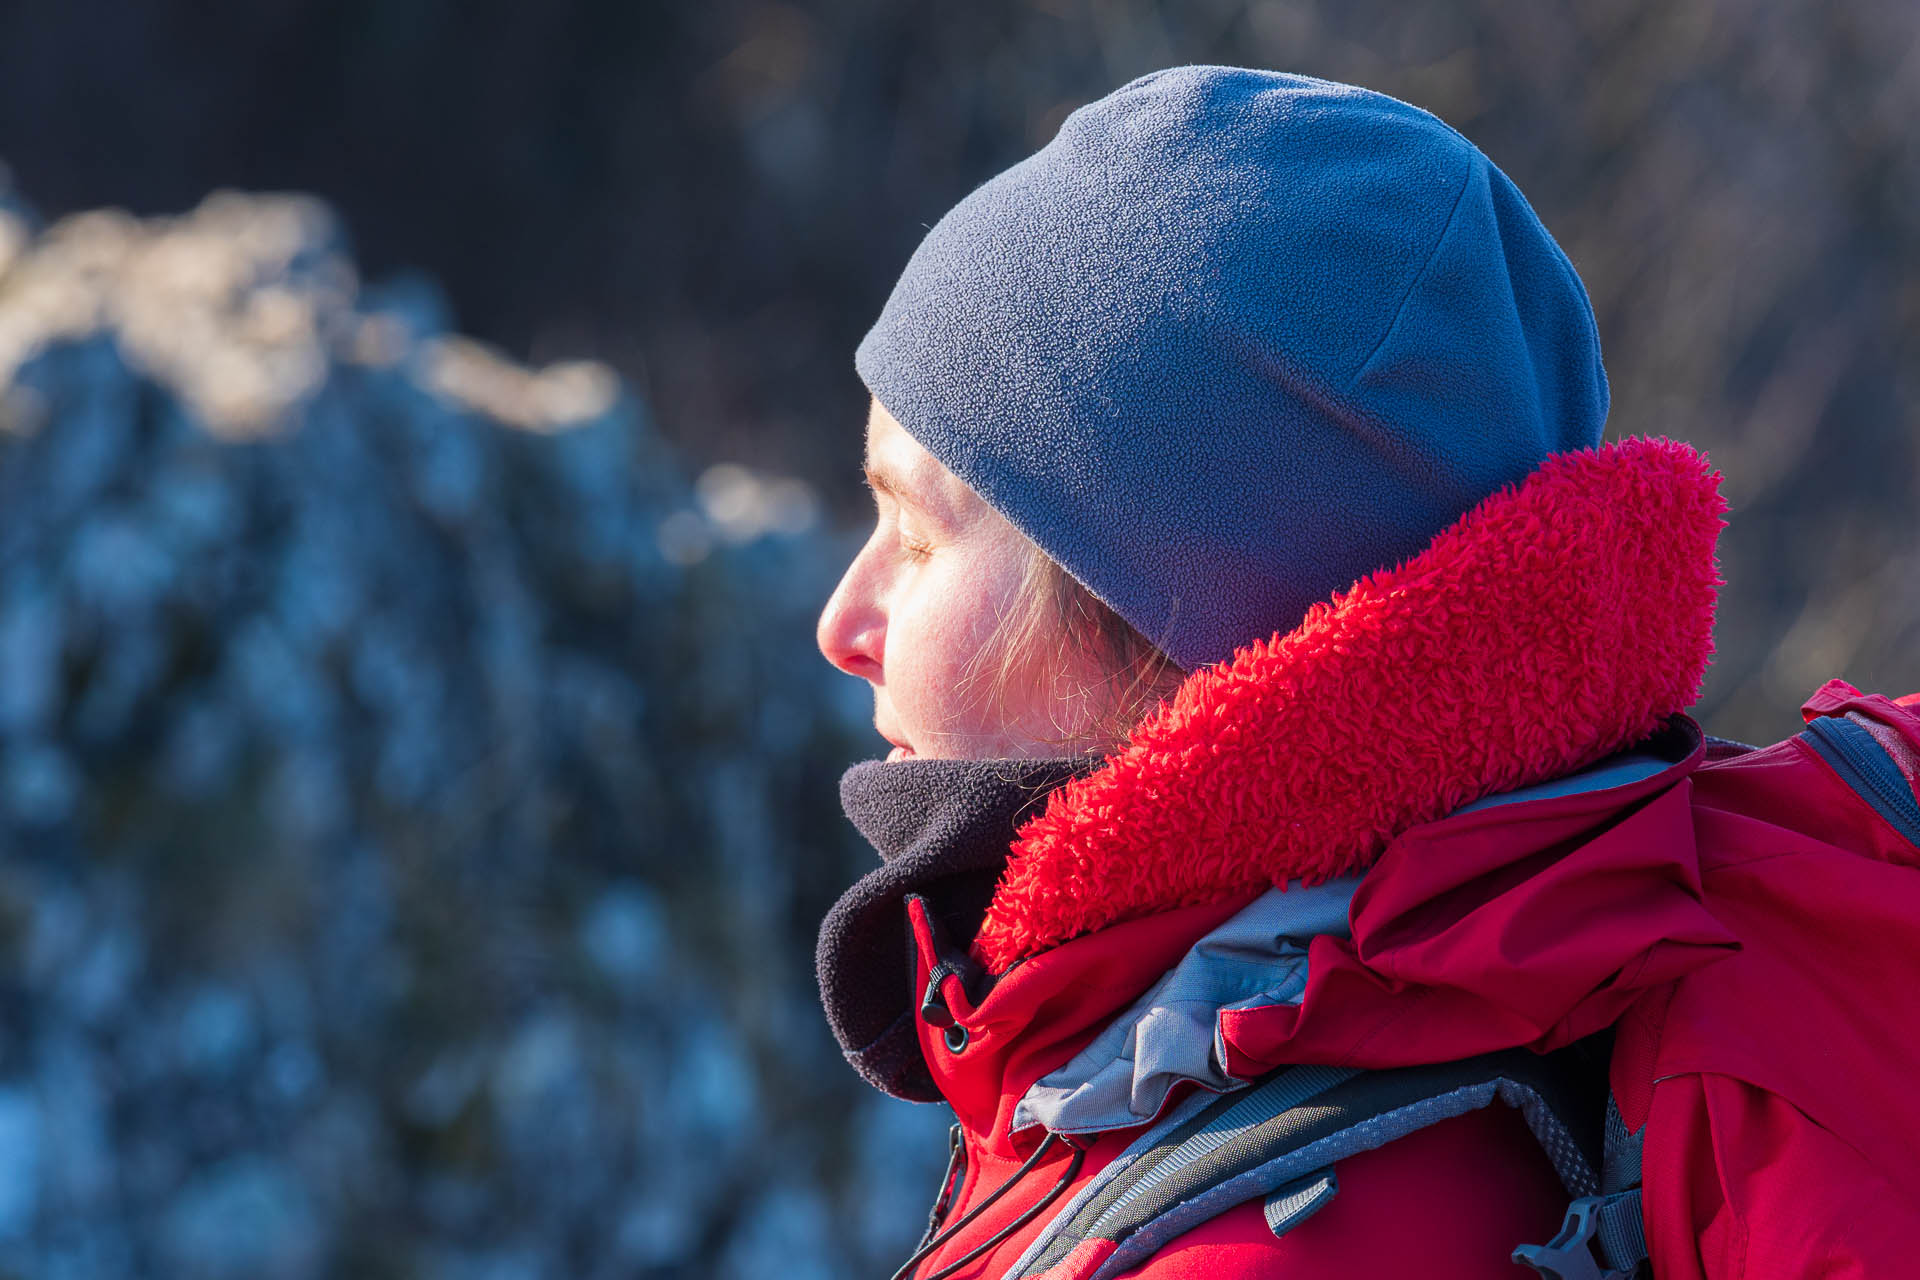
pixel 901 467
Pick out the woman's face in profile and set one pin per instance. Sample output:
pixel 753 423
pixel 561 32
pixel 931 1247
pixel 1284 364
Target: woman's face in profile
pixel 917 612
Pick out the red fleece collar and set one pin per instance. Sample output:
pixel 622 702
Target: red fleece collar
pixel 1559 620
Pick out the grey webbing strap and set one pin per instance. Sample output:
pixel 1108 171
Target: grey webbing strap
pixel 1198 1128
pixel 1609 1225
pixel 1289 1128
pixel 1177 1159
pixel 1291 1205
pixel 1620 1152
pixel 1622 1235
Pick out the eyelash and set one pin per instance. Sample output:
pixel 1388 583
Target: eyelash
pixel 915 548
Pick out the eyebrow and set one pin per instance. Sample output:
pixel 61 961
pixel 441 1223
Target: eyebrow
pixel 881 480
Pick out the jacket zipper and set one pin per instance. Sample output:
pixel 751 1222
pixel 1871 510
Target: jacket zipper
pixel 1864 765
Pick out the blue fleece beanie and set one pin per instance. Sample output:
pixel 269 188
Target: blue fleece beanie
pixel 1235 339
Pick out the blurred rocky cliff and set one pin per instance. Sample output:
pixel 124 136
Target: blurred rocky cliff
pixel 417 797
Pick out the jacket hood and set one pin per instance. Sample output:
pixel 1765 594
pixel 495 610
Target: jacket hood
pixel 1169 1036
pixel 1532 919
pixel 1559 621
pixel 1505 931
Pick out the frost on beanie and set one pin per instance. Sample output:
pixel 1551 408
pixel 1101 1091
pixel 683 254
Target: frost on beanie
pixel 1235 339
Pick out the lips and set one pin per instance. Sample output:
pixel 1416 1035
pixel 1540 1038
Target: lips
pixel 901 751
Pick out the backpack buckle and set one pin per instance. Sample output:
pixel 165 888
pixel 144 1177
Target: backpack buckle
pixel 1569 1255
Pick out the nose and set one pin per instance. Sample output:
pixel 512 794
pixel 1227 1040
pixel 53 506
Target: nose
pixel 852 632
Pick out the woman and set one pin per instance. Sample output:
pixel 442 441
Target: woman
pixel 1240 518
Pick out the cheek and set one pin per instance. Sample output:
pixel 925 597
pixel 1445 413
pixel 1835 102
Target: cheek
pixel 950 622
pixel 938 656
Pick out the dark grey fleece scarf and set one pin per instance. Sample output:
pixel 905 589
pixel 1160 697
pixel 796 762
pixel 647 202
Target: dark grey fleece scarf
pixel 942 829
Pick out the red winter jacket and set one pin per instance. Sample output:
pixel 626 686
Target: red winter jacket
pixel 1558 623
pixel 1778 1088
pixel 1450 1202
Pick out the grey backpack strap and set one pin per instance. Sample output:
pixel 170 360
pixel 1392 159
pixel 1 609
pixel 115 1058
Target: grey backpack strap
pixel 1604 1236
pixel 1280 1138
